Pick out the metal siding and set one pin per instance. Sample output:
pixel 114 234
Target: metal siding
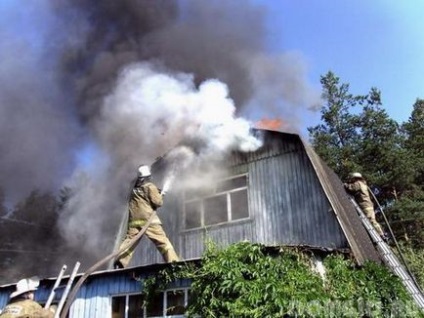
pixel 94 300
pixel 193 241
pixel 287 205
pixel 359 240
pixel 94 297
pixel 4 297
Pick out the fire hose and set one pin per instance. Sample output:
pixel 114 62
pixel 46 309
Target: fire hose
pixel 103 261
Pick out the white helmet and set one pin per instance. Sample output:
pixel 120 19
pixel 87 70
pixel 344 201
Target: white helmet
pixel 144 171
pixel 24 286
pixel 355 175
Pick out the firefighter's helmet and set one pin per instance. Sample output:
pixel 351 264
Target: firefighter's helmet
pixel 24 286
pixel 355 175
pixel 144 171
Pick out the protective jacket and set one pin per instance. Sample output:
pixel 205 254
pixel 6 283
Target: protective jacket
pixel 360 192
pixel 145 198
pixel 25 308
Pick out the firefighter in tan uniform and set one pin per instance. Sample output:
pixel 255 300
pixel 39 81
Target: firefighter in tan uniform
pixel 357 186
pixel 22 304
pixel 146 198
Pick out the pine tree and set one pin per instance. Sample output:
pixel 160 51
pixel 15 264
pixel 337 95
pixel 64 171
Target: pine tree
pixel 336 139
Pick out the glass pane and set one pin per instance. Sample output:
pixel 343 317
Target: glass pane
pixel 155 306
pixel 216 209
pixel 227 185
pixel 175 302
pixel 118 307
pixel 198 192
pixel 192 214
pixel 239 206
pixel 135 306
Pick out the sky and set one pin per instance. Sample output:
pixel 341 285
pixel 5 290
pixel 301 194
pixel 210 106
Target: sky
pixel 377 43
pixel 271 60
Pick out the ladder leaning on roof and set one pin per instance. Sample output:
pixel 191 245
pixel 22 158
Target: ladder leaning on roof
pixel 66 287
pixel 391 259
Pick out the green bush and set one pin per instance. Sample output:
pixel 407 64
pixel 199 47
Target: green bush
pixel 250 280
pixel 414 257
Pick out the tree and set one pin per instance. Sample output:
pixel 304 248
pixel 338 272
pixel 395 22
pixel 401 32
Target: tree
pixel 356 133
pixel 385 163
pixel 406 215
pixel 31 238
pixel 368 141
pixel 414 130
pixel 336 139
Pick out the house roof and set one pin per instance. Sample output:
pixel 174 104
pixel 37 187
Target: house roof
pixel 358 238
pixel 276 143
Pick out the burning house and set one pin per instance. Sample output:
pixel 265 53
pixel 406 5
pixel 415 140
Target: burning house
pixel 133 78
pixel 282 194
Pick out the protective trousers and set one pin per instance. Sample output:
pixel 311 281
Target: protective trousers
pixel 157 235
pixel 369 212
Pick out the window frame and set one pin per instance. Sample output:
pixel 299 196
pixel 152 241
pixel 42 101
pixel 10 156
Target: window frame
pixel 229 214
pixel 164 302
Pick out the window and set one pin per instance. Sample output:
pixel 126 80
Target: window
pixel 170 303
pixel 224 202
pixel 127 306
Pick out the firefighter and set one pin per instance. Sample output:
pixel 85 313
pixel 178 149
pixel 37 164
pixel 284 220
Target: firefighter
pixel 357 187
pixel 144 199
pixel 22 303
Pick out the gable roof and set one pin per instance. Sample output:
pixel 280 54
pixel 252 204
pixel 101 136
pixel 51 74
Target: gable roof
pixel 325 184
pixel 358 238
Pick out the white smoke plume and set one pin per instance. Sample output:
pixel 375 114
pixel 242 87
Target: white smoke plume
pixel 80 72
pixel 158 109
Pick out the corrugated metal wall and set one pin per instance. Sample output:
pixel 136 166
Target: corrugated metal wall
pixel 4 296
pixel 94 298
pixel 287 206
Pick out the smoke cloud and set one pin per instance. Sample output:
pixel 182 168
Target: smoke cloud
pixel 157 109
pixel 127 81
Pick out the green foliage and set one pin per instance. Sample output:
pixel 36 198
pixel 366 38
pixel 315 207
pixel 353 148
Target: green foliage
pixel 249 280
pixel 357 134
pixel 370 290
pixel 335 140
pixel 407 220
pixel 414 143
pixel 415 260
pixel 243 281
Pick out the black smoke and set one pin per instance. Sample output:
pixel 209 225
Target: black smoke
pixel 60 59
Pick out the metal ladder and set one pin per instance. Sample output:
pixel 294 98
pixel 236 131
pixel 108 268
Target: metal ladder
pixel 66 290
pixel 391 259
